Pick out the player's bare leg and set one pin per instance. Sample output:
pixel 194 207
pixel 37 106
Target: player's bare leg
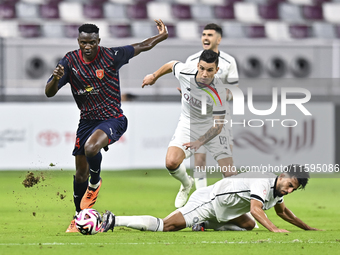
pixel 227 165
pixel 200 174
pixel 241 223
pixel 175 166
pixel 174 222
pixel 244 222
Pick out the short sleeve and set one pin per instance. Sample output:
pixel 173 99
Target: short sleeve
pixel 259 189
pixel 280 201
pixel 177 68
pixel 122 55
pixel 232 77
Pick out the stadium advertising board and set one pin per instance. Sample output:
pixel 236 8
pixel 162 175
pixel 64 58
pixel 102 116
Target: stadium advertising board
pixel 31 138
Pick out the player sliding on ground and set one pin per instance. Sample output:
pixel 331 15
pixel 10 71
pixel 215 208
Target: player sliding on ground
pixel 93 72
pixel 223 206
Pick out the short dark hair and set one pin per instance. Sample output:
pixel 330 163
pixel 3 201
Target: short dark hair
pixel 213 26
pixel 299 172
pixel 209 56
pixel 88 28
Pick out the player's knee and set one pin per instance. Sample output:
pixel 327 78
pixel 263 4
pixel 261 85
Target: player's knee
pixel 91 150
pixel 172 164
pixel 200 160
pixel 250 225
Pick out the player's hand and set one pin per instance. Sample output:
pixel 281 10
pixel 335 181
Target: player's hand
pixel 150 79
pixel 58 72
pixel 179 89
pixel 315 229
pixel 281 230
pixel 162 29
pixel 193 145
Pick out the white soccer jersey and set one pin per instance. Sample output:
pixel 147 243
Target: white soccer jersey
pixel 193 94
pixel 228 74
pixel 231 196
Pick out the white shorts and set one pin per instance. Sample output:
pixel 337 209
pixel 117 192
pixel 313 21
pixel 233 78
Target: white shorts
pixel 218 146
pixel 226 132
pixel 199 207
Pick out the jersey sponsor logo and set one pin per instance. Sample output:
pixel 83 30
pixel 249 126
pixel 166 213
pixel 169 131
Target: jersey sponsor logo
pixel 88 90
pixel 116 51
pixel 192 101
pixel 100 73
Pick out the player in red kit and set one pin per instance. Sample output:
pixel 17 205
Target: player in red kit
pixel 93 73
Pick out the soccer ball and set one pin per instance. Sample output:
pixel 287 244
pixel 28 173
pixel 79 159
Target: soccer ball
pixel 89 222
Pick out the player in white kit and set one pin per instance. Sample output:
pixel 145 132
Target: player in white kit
pixel 201 93
pixel 223 206
pixel 211 38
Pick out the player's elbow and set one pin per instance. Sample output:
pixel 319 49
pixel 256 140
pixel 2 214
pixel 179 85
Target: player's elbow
pixel 49 93
pixel 255 211
pixel 280 214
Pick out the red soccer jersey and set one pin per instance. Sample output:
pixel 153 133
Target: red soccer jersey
pixel 95 85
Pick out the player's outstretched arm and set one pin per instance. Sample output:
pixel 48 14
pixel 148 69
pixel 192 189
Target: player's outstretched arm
pixel 52 86
pixel 150 79
pixel 287 215
pixel 258 213
pixel 149 43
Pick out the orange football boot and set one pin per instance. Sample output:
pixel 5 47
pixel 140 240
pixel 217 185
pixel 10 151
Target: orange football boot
pixel 90 197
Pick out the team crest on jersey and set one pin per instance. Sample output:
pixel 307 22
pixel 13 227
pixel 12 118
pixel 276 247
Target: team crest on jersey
pixel 100 73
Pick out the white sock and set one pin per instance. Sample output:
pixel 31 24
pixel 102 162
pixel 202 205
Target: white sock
pixel 94 186
pixel 181 174
pixel 222 226
pixel 149 223
pixel 199 173
pixel 200 183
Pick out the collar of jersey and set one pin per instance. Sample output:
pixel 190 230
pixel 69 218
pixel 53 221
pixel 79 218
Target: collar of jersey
pixel 82 59
pixel 274 192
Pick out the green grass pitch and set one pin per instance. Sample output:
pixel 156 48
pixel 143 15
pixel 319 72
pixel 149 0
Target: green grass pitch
pixel 34 220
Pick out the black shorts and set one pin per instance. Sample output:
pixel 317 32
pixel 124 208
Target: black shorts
pixel 114 129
